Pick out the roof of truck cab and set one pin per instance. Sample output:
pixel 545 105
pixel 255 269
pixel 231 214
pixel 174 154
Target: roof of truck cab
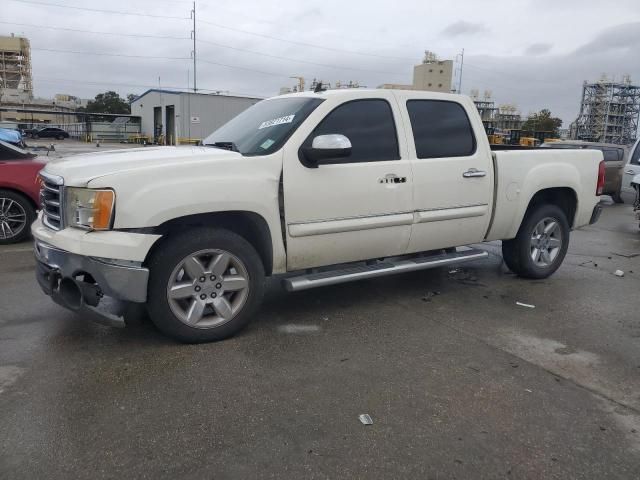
pixel 363 92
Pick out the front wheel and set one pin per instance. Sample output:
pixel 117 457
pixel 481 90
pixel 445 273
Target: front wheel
pixel 16 216
pixel 540 245
pixel 204 285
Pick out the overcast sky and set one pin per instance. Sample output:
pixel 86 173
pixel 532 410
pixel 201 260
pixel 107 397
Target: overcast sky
pixel 533 53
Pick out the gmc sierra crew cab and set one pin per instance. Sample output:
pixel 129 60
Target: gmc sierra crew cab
pixel 316 188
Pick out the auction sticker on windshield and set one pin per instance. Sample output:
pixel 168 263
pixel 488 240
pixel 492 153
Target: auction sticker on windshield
pixel 276 121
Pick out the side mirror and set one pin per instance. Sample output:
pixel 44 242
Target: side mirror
pixel 324 147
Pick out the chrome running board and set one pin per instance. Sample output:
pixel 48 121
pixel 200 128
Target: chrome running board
pixel 381 268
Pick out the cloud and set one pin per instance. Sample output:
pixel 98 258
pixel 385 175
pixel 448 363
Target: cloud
pixel 622 37
pixel 464 28
pixel 538 48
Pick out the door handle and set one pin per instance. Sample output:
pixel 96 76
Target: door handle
pixel 629 172
pixel 474 172
pixel 392 178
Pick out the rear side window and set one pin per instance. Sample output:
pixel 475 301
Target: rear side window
pixel 368 124
pixel 612 154
pixel 440 129
pixel 635 159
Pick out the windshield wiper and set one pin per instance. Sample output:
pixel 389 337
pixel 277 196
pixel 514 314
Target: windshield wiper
pixel 225 145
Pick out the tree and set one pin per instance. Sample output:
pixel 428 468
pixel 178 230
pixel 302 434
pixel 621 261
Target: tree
pixel 108 102
pixel 542 122
pixel 131 97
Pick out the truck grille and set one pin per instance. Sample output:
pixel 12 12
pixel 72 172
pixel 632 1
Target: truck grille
pixel 51 200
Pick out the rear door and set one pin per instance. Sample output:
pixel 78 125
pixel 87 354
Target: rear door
pixel 632 168
pixel 452 173
pixel 352 208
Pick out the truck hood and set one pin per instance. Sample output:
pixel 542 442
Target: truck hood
pixel 79 170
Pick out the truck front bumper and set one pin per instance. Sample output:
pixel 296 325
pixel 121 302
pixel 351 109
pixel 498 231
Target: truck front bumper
pixel 93 287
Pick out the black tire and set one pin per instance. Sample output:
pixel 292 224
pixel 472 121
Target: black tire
pixel 517 252
pixel 617 198
pixel 36 136
pixel 30 215
pixel 60 137
pixel 171 253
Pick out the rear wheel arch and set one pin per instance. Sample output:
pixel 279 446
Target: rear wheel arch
pixel 249 225
pixel 563 197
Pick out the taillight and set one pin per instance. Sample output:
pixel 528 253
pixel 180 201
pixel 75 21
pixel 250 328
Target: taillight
pixel 600 186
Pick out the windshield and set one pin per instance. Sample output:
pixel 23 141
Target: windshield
pixel 264 127
pixel 11 152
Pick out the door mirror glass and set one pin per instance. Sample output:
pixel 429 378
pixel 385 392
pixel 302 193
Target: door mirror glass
pixel 324 147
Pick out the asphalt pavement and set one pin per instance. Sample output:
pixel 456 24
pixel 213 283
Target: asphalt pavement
pixel 460 380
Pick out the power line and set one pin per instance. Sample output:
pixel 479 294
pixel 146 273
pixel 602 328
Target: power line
pixel 294 59
pixel 51 80
pixel 105 54
pixel 113 12
pixel 323 47
pixel 94 32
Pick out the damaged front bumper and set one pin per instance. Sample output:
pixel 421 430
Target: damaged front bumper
pixel 93 287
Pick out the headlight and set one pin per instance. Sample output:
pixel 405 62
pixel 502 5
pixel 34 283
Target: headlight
pixel 88 208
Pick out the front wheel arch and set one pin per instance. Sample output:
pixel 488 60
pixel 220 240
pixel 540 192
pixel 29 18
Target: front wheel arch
pixel 249 225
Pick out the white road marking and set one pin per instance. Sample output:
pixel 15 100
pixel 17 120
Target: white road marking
pixel 292 328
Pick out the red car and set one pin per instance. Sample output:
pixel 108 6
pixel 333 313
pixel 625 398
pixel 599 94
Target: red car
pixel 19 192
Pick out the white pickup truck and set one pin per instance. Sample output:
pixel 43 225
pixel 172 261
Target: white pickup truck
pixel 317 188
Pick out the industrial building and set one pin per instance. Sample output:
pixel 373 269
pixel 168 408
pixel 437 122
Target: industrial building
pixel 16 84
pixel 432 75
pixel 609 112
pixel 171 117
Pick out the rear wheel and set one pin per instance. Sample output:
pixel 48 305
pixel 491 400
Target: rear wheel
pixel 617 198
pixel 540 245
pixel 16 215
pixel 60 137
pixel 204 285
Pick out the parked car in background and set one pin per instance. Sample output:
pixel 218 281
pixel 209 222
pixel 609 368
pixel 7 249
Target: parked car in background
pixel 49 132
pixel 14 137
pixel 631 170
pixel 19 192
pixel 615 157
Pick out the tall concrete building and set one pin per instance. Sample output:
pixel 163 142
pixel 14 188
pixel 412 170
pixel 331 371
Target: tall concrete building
pixel 16 84
pixel 432 75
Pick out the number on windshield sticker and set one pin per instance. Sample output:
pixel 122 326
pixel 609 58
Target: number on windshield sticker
pixel 276 121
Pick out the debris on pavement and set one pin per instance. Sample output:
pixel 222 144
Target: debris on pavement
pixel 627 255
pixel 430 295
pixel 525 305
pixel 619 273
pixel 366 419
pixel 527 390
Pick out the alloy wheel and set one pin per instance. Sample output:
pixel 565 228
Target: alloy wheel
pixel 208 288
pixel 13 218
pixel 546 242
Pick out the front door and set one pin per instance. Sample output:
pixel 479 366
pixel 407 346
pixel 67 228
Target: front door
pixel 631 169
pixel 452 173
pixel 352 208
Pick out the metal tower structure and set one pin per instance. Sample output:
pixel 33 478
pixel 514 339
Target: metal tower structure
pixel 609 112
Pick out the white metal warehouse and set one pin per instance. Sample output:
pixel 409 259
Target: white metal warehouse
pixel 172 117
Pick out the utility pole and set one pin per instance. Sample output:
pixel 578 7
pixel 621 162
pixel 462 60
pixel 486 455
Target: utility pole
pixel 461 55
pixel 193 53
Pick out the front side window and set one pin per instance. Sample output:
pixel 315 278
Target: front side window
pixel 264 127
pixel 369 126
pixel 440 129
